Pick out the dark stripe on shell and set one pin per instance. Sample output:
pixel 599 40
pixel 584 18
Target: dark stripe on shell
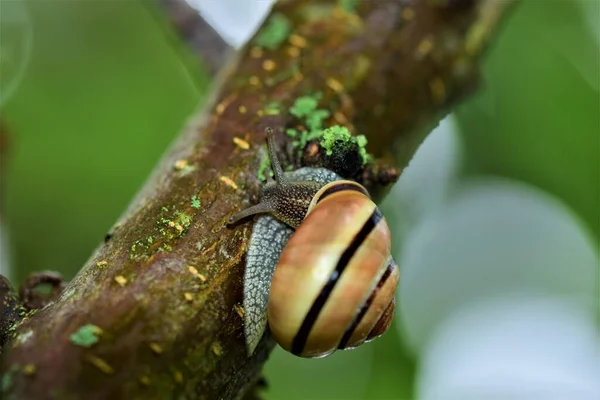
pixel 365 307
pixel 309 320
pixel 341 186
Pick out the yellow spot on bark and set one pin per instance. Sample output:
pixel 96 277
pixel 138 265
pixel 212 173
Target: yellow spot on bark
pixel 145 380
pixel 408 14
pixel 228 182
pixel 269 65
pixel 242 109
pixel 179 227
pixel 201 277
pixel 335 85
pixel 102 263
pixel 188 296
pixel 29 369
pixel 100 364
pixel 239 310
pixel 216 348
pixel 424 47
pixel 254 80
pixel 256 52
pixel 156 348
pixel 121 280
pixel 293 51
pixel 192 270
pixel 340 118
pixel 171 224
pixel 181 164
pixel 298 41
pixel 178 376
pixel 438 89
pixel 241 143
pixel 220 108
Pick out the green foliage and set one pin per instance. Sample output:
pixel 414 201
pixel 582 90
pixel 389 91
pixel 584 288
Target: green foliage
pixel 86 336
pixel 538 116
pixel 275 32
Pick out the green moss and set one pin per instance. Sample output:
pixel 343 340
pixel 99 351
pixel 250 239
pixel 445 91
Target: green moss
pixel 195 202
pixel 273 108
pixel 86 336
pixel 339 136
pixel 305 105
pixel 275 32
pixel 349 5
pixel 183 219
pixel 305 109
pixel 265 163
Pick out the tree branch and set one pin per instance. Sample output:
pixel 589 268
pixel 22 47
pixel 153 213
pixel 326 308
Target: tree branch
pixel 197 33
pixel 156 311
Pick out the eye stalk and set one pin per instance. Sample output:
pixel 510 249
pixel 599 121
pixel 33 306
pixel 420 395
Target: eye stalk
pixel 285 200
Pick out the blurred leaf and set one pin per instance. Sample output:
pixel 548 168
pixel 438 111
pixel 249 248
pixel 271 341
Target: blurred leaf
pixel 104 94
pixel 547 115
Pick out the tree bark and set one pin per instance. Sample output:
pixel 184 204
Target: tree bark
pixel 156 311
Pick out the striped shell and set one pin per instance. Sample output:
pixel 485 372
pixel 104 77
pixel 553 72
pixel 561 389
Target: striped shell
pixel 331 283
pixel 335 281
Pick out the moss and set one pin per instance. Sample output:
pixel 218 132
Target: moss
pixel 273 108
pixel 86 336
pixel 339 137
pixel 195 202
pixel 306 109
pixel 275 32
pixel 265 163
pixel 348 5
pixel 305 105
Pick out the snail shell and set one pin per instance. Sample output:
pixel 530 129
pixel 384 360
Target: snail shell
pixel 331 283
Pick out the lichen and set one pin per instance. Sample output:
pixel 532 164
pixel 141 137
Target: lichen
pixel 339 137
pixel 275 32
pixel 86 336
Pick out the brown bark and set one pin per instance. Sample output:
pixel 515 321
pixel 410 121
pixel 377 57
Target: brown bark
pixel 164 291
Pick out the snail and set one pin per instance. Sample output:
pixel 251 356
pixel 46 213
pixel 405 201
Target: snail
pixel 318 269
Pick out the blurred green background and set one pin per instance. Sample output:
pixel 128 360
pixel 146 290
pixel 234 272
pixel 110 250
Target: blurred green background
pixel 108 86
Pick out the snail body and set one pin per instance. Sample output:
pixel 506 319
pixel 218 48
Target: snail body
pixel 330 284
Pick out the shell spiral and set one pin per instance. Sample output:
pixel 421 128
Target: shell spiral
pixel 334 285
